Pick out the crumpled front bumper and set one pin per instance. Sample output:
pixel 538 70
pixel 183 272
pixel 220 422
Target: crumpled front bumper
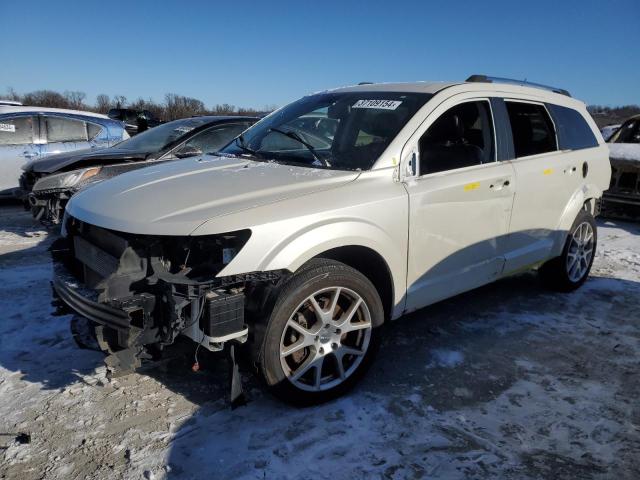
pixel 124 318
pixel 48 206
pixel 80 303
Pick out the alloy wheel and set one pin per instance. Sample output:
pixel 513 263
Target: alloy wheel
pixel 580 252
pixel 325 339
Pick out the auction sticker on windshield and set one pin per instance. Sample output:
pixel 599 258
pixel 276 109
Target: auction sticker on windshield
pixel 384 104
pixel 7 127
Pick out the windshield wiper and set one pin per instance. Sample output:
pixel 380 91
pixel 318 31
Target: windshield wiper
pixel 240 143
pixel 297 138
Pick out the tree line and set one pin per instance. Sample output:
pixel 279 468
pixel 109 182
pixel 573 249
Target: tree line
pixel 604 115
pixel 179 106
pixel 174 106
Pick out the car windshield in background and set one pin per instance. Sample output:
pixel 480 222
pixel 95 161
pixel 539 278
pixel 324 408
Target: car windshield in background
pixel 342 131
pixel 629 132
pixel 159 137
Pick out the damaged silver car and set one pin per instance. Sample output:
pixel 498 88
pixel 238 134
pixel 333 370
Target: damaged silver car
pixel 48 184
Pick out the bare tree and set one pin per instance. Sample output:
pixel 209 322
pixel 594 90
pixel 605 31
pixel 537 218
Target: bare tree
pixel 179 106
pixel 46 98
pixel 103 103
pixel 120 101
pixel 12 95
pixel 174 105
pixel 75 99
pixel 150 105
pixel 223 109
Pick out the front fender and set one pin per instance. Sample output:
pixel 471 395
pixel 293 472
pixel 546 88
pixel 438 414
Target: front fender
pixel 289 251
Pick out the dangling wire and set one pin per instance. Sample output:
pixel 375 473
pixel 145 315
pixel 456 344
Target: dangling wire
pixel 196 365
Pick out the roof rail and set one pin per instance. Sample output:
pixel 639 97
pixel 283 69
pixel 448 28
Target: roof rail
pixel 487 79
pixel 365 83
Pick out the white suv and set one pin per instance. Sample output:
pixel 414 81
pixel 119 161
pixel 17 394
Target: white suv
pixel 332 215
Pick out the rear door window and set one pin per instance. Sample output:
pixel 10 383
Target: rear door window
pixel 16 131
pixel 532 129
pixel 60 129
pixel 460 137
pixel 574 132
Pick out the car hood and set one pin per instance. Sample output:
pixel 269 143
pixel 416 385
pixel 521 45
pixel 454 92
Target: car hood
pixel 174 198
pixel 79 158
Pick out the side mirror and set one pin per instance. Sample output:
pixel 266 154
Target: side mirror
pixel 188 151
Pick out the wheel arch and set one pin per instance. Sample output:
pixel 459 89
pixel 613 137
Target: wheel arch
pixel 337 239
pixel 586 196
pixel 372 265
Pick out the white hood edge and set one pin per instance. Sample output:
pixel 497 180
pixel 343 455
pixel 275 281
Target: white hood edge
pixel 175 198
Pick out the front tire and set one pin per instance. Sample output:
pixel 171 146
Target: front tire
pixel 322 333
pixel 571 269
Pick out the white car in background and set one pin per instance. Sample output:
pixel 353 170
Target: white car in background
pixel 28 133
pixel 301 240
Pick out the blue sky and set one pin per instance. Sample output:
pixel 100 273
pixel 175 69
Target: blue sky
pixel 257 53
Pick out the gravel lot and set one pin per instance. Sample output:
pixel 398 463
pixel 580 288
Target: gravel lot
pixel 509 381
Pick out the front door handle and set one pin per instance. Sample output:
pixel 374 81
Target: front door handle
pixel 29 154
pixel 499 185
pixel 570 170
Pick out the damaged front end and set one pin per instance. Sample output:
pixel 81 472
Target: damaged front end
pixel 623 196
pixel 141 292
pixel 49 194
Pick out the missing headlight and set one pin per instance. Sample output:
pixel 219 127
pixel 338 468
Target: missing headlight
pixel 201 258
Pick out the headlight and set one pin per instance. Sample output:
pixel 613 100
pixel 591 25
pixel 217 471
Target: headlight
pixel 66 179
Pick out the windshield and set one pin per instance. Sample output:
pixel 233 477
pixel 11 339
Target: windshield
pixel 157 138
pixel 343 130
pixel 629 132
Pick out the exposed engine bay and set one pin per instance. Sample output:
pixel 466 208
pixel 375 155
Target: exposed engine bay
pixel 141 292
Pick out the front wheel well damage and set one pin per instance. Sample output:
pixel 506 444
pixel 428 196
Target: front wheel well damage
pixel 372 265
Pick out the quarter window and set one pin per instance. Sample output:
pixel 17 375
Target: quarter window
pixel 93 130
pixel 61 129
pixel 461 137
pixel 573 131
pixel 532 129
pixel 16 131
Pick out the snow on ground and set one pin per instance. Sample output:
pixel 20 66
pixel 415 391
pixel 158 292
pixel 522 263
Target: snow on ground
pixel 509 381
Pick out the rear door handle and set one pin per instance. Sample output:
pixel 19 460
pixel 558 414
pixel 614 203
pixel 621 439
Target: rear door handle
pixel 29 154
pixel 570 170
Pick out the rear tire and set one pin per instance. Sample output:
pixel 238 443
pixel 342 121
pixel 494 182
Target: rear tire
pixel 571 269
pixel 321 335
